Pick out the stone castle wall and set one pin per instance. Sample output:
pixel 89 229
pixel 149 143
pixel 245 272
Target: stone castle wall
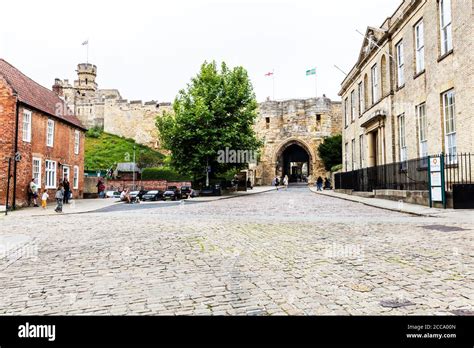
pixel 134 120
pixel 303 122
pixel 106 109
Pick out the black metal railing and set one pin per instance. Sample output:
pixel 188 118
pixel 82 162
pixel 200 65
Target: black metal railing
pixel 457 169
pixel 407 175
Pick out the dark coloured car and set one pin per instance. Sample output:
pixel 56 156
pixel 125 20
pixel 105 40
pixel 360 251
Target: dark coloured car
pixel 185 191
pixel 172 193
pixel 137 194
pixel 214 190
pixel 153 195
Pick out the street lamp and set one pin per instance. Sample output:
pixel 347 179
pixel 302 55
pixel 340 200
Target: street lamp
pixel 134 167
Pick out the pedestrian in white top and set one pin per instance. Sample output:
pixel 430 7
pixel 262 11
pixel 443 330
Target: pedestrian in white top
pixel 34 192
pixel 285 182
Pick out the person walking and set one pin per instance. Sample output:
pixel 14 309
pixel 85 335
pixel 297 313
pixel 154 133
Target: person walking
pixel 34 192
pixel 285 182
pixel 44 199
pixel 59 199
pixel 319 184
pixel 277 182
pixel 30 194
pixel 327 184
pixel 101 189
pixel 67 190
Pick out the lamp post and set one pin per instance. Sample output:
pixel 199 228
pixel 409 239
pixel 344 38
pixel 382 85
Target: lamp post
pixel 134 167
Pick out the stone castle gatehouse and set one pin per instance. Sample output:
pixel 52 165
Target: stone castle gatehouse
pixel 292 131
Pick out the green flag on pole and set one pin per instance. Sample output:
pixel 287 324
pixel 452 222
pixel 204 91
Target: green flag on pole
pixel 311 72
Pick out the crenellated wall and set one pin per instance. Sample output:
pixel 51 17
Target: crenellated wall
pixel 304 122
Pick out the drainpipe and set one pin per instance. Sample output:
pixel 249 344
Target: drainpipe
pixel 15 163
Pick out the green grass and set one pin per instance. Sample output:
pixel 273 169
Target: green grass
pixel 103 150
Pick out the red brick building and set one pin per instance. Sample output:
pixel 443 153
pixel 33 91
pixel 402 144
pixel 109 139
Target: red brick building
pixel 36 125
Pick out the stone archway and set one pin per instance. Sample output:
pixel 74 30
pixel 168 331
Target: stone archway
pixel 295 159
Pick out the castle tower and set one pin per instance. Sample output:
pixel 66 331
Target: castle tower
pixel 86 85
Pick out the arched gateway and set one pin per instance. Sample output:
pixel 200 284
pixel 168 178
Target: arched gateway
pixel 294 158
pixel 292 131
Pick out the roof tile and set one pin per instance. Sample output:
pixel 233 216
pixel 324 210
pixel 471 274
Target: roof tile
pixel 37 96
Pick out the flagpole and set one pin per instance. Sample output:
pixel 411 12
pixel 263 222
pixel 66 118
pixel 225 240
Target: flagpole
pixel 316 84
pixel 87 61
pixel 273 77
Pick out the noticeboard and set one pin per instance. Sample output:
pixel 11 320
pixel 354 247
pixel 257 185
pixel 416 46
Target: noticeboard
pixel 436 177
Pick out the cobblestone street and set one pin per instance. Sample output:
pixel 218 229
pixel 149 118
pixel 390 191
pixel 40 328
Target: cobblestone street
pixel 276 253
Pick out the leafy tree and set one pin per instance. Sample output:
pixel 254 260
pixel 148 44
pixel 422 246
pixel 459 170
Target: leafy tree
pixel 216 110
pixel 330 151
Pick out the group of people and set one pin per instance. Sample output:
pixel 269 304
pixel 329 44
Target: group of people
pixel 319 184
pixel 62 195
pixel 277 182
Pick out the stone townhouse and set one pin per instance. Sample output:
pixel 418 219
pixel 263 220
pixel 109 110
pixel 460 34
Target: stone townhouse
pixel 47 138
pixel 410 94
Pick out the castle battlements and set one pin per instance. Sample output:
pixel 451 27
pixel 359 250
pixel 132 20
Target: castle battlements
pixel 107 109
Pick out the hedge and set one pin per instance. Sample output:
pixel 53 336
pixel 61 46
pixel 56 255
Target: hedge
pixel 163 174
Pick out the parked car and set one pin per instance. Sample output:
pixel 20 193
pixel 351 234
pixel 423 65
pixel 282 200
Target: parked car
pixel 185 191
pixel 172 193
pixel 112 194
pixel 153 195
pixel 137 195
pixel 214 190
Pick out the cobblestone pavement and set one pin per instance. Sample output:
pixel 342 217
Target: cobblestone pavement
pixel 287 252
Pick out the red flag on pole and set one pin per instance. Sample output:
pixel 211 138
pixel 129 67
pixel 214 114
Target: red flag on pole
pixel 269 74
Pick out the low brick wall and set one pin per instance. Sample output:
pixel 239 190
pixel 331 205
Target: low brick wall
pixel 90 185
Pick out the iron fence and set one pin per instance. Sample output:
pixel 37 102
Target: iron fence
pixel 409 175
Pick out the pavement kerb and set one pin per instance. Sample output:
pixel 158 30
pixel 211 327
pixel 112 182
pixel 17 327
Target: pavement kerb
pixel 372 204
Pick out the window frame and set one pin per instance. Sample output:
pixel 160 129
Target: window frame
pixel 402 145
pixel 346 118
pixel 54 170
pixel 353 149
pixel 445 29
pixel 400 52
pixel 26 136
pixel 38 179
pixel 346 150
pixel 353 106
pixel 422 130
pixel 375 83
pixel 75 178
pixel 67 169
pixel 450 137
pixel 419 46
pixel 361 97
pixel 361 151
pixel 77 141
pixel 50 135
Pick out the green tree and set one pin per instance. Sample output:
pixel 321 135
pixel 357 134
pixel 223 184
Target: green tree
pixel 330 151
pixel 216 110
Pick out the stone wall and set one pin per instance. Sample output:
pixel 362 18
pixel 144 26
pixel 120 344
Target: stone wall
pixel 134 120
pixel 305 122
pixel 106 109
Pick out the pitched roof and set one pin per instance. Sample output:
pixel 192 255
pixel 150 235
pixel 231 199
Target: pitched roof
pixel 37 96
pixel 127 167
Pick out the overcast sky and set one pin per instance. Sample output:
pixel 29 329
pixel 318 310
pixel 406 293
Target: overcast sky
pixel 150 49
